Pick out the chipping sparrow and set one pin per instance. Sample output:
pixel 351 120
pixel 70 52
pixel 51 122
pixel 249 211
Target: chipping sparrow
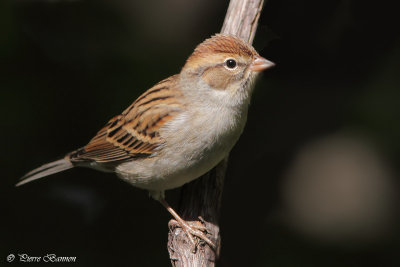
pixel 180 128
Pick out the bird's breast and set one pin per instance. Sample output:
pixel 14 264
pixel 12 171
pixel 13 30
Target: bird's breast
pixel 194 144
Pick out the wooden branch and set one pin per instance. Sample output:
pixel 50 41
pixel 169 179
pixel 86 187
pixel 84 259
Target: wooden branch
pixel 242 18
pixel 202 197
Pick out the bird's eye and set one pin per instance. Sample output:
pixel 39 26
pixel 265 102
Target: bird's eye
pixel 230 63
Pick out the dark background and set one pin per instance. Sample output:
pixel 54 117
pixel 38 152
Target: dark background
pixel 313 180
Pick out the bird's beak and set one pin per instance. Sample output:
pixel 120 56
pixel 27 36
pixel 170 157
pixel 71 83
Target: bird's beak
pixel 260 64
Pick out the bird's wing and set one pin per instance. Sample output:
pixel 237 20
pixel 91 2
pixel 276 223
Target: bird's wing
pixel 136 132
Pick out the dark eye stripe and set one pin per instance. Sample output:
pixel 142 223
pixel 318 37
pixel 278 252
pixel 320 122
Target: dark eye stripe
pixel 239 64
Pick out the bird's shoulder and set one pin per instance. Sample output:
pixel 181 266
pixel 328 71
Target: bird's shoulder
pixel 136 131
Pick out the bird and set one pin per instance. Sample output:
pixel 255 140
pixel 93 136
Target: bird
pixel 177 130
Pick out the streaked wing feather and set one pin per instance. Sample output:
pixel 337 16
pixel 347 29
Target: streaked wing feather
pixel 134 133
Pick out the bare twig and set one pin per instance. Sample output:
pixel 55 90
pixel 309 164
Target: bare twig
pixel 242 18
pixel 202 197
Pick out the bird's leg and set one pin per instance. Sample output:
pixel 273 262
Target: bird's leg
pixel 190 230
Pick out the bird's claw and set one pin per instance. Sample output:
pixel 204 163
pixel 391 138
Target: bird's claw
pixel 193 228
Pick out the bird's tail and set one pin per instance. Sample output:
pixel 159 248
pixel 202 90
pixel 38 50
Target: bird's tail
pixel 46 170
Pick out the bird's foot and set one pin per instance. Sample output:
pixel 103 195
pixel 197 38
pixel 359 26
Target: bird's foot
pixel 193 228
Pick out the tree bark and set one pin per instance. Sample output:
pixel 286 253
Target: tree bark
pixel 202 197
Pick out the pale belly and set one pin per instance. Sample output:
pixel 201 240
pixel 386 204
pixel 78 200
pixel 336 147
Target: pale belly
pixel 174 170
pixel 188 155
